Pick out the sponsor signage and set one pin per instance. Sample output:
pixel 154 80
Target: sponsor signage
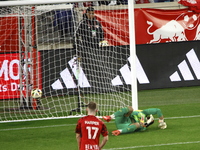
pixel 163 65
pixel 10 76
pixel 170 64
pixel 68 79
pixel 94 74
pixel 192 5
pixel 151 25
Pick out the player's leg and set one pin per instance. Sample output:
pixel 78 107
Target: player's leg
pixel 122 120
pixel 126 128
pixel 153 111
pixel 158 112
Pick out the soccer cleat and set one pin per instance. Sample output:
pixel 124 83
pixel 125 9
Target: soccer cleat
pixel 150 119
pixel 162 125
pixel 116 132
pixel 106 118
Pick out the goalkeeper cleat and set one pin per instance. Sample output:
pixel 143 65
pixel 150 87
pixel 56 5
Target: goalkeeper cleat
pixel 106 118
pixel 162 125
pixel 116 132
pixel 151 119
pixel 148 124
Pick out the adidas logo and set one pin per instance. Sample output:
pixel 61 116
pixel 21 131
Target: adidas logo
pixel 126 74
pixel 189 69
pixel 68 79
pixel 69 82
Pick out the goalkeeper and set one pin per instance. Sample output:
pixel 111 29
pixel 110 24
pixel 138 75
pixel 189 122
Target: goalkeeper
pixel 127 120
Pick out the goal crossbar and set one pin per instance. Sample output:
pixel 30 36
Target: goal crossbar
pixel 38 2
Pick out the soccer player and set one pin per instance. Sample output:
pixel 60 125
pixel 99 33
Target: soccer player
pixel 127 120
pixel 88 130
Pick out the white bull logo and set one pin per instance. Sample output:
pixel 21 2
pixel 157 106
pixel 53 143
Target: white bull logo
pixel 197 37
pixel 171 30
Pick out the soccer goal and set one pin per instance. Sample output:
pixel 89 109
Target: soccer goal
pixel 55 59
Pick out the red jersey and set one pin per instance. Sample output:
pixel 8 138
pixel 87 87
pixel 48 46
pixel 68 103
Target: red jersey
pixel 90 128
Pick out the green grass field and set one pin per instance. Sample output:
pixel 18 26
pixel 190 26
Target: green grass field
pixel 180 106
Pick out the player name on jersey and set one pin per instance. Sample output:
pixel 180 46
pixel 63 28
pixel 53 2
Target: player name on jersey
pixel 92 122
pixel 89 146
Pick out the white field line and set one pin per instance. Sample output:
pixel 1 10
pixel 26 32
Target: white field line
pixel 155 145
pixel 195 116
pixel 38 127
pixel 50 126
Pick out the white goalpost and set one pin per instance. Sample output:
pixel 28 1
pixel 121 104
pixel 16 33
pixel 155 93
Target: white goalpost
pixel 55 59
pixel 133 53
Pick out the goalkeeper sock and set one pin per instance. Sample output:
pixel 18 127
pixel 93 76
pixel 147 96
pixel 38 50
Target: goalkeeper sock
pixel 161 120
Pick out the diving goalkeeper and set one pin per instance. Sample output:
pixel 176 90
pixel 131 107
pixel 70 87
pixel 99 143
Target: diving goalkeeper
pixel 127 120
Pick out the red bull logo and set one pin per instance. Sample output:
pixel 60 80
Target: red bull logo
pixel 172 31
pixel 176 30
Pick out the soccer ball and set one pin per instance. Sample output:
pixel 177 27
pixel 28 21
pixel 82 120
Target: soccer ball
pixel 36 93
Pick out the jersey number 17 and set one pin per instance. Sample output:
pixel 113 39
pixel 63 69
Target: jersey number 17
pixel 89 129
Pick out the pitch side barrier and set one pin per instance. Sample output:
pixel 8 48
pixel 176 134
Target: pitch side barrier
pixel 163 65
pixel 170 65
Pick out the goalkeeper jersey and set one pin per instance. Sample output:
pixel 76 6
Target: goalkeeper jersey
pixel 137 116
pixel 120 120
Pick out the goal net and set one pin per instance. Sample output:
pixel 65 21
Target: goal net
pixel 72 55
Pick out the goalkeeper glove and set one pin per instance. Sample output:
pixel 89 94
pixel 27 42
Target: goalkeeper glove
pixel 162 124
pixel 103 43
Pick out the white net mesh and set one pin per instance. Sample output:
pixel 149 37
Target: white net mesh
pixel 56 48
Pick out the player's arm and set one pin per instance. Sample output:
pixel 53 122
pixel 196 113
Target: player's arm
pixel 104 140
pixel 78 133
pixel 78 137
pixel 104 133
pixel 153 111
